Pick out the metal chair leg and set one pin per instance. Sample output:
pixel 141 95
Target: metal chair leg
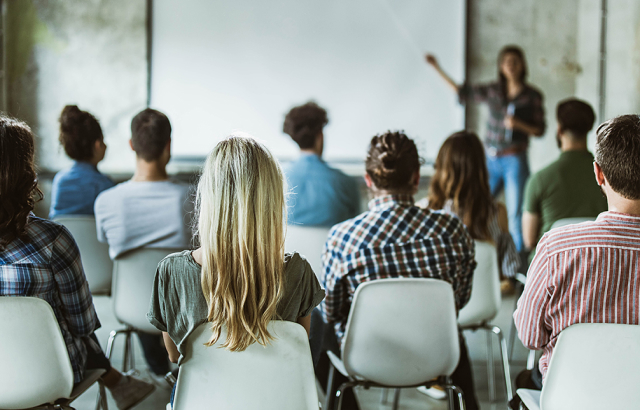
pixel 341 390
pixel 512 332
pixel 396 399
pixel 328 398
pixel 490 369
pixel 101 400
pixel 384 395
pixel 451 388
pixel 505 361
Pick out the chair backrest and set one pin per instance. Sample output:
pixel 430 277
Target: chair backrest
pixel 133 274
pixel 570 221
pixel 96 263
pixel 485 299
pixel 308 242
pixel 402 332
pixel 35 362
pixel 594 366
pixel 278 376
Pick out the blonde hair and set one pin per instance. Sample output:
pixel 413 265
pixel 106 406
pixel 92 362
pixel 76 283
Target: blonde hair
pixel 241 221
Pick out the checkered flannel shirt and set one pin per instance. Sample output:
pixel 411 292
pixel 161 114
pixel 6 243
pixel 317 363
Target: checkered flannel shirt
pixel 47 265
pixel 394 239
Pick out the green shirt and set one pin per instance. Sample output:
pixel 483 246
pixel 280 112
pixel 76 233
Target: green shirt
pixel 178 305
pixel 565 189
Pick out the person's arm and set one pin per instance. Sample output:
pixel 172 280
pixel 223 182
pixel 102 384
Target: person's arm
pixel 511 122
pixel 466 264
pixel 530 315
pixel 530 229
pixel 72 286
pixel 304 321
pixel 171 347
pixel 337 296
pixel 433 61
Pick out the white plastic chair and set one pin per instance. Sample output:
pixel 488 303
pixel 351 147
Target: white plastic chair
pixel 594 366
pixel 482 308
pixel 400 333
pixel 36 369
pixel 308 242
pixel 276 377
pixel 96 263
pixel 133 274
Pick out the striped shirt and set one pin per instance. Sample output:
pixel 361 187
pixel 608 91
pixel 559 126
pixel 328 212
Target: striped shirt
pixel 394 239
pixel 47 265
pixel 584 273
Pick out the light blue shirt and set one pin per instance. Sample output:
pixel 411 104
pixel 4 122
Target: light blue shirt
pixel 320 195
pixel 75 190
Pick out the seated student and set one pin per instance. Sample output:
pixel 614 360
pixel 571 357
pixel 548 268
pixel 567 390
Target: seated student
pixel 74 190
pixel 599 261
pixel 566 188
pixel 393 173
pixel 40 259
pixel 241 209
pixel 150 210
pixel 460 185
pixel 321 195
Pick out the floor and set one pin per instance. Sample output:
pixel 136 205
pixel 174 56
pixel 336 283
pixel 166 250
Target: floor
pixel 410 399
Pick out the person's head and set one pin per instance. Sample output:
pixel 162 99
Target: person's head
pixel 81 135
pixel 304 125
pixel 151 136
pixel 461 176
pixel 18 180
pixel 617 156
pixel 575 120
pixel 512 64
pixel 393 164
pixel 241 218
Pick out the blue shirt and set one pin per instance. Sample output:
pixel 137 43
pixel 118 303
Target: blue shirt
pixel 320 195
pixel 74 190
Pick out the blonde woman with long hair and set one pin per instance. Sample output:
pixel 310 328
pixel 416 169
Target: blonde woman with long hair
pixel 240 276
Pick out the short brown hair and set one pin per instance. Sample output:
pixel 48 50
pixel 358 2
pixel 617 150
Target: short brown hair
pixel 618 154
pixel 575 116
pixel 79 130
pixel 392 160
pixel 303 124
pixel 150 133
pixel 18 180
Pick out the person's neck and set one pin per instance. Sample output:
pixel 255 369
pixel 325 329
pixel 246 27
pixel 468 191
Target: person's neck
pixel 514 87
pixel 311 151
pixel 572 144
pixel 618 203
pixel 149 171
pixel 379 193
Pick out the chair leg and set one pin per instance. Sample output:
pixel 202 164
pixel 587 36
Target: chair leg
pixel 384 395
pixel 396 399
pixel 101 400
pixel 125 353
pixel 512 332
pixel 341 390
pixel 490 369
pixel 451 388
pixel 505 361
pixel 328 399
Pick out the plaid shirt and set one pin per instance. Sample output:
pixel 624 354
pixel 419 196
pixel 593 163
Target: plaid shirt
pixel 47 265
pixel 529 108
pixel 394 239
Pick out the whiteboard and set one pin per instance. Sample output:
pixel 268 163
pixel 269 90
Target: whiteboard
pixel 224 65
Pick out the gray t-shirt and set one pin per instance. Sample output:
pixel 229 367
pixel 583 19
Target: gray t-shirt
pixel 178 305
pixel 136 214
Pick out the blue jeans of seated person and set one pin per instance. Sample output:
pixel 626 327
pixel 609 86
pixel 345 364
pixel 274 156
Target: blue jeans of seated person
pixel 511 173
pixel 154 353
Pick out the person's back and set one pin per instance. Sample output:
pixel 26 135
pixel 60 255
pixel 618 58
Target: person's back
pixel 150 210
pixel 566 188
pixel 588 273
pixel 74 190
pixel 319 195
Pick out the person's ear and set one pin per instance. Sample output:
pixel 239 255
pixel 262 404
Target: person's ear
pixel 600 179
pixel 368 181
pixel 131 145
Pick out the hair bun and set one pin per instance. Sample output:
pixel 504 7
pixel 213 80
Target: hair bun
pixel 70 116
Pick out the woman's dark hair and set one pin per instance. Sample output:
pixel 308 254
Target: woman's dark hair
pixel 461 176
pixel 392 160
pixel 304 123
pixel 18 183
pixel 618 154
pixel 79 130
pixel 517 51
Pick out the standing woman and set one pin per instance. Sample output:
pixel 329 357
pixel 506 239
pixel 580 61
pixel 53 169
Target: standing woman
pixel 74 190
pixel 516 111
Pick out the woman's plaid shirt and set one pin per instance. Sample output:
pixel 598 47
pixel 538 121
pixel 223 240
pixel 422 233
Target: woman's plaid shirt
pixel 47 265
pixel 394 239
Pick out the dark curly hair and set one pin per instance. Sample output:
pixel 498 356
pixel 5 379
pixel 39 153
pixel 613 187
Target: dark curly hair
pixel 392 160
pixel 150 133
pixel 18 180
pixel 304 123
pixel 79 130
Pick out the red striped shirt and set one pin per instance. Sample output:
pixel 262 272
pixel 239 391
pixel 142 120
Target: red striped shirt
pixel 584 273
